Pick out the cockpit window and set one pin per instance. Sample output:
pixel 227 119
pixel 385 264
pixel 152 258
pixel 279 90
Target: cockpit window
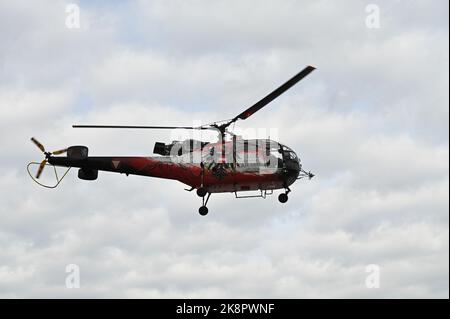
pixel 291 155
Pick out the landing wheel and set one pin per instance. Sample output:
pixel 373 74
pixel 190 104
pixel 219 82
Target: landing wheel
pixel 203 210
pixel 283 198
pixel 201 192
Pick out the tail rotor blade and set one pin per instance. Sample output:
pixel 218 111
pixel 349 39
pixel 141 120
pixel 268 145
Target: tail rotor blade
pixel 41 168
pixel 59 152
pixel 39 145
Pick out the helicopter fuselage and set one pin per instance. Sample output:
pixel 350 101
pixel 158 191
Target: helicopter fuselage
pixel 244 166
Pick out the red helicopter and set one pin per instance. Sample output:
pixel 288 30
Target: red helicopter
pixel 234 165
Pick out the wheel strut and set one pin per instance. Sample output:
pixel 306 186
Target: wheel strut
pixel 203 210
pixel 201 191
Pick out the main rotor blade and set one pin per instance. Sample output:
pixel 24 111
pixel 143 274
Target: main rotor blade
pixel 272 96
pixel 142 127
pixel 39 145
pixel 244 115
pixel 41 168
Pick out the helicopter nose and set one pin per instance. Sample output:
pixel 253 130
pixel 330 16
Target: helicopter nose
pixel 293 165
pixel 290 175
pixel 293 169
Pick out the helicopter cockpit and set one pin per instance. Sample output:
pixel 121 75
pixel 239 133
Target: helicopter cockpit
pixel 290 159
pixel 257 153
pixel 247 155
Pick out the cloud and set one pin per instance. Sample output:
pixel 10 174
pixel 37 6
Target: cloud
pixel 371 122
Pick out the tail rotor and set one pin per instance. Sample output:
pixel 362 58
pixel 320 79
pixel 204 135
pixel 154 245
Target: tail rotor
pixel 47 156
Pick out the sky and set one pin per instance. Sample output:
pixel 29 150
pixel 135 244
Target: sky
pixel 372 122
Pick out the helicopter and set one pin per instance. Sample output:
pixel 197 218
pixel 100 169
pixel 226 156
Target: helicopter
pixel 231 165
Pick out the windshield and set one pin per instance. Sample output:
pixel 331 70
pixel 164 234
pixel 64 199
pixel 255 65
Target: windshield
pixel 291 155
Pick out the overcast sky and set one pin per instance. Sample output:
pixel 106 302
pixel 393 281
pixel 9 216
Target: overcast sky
pixel 371 122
